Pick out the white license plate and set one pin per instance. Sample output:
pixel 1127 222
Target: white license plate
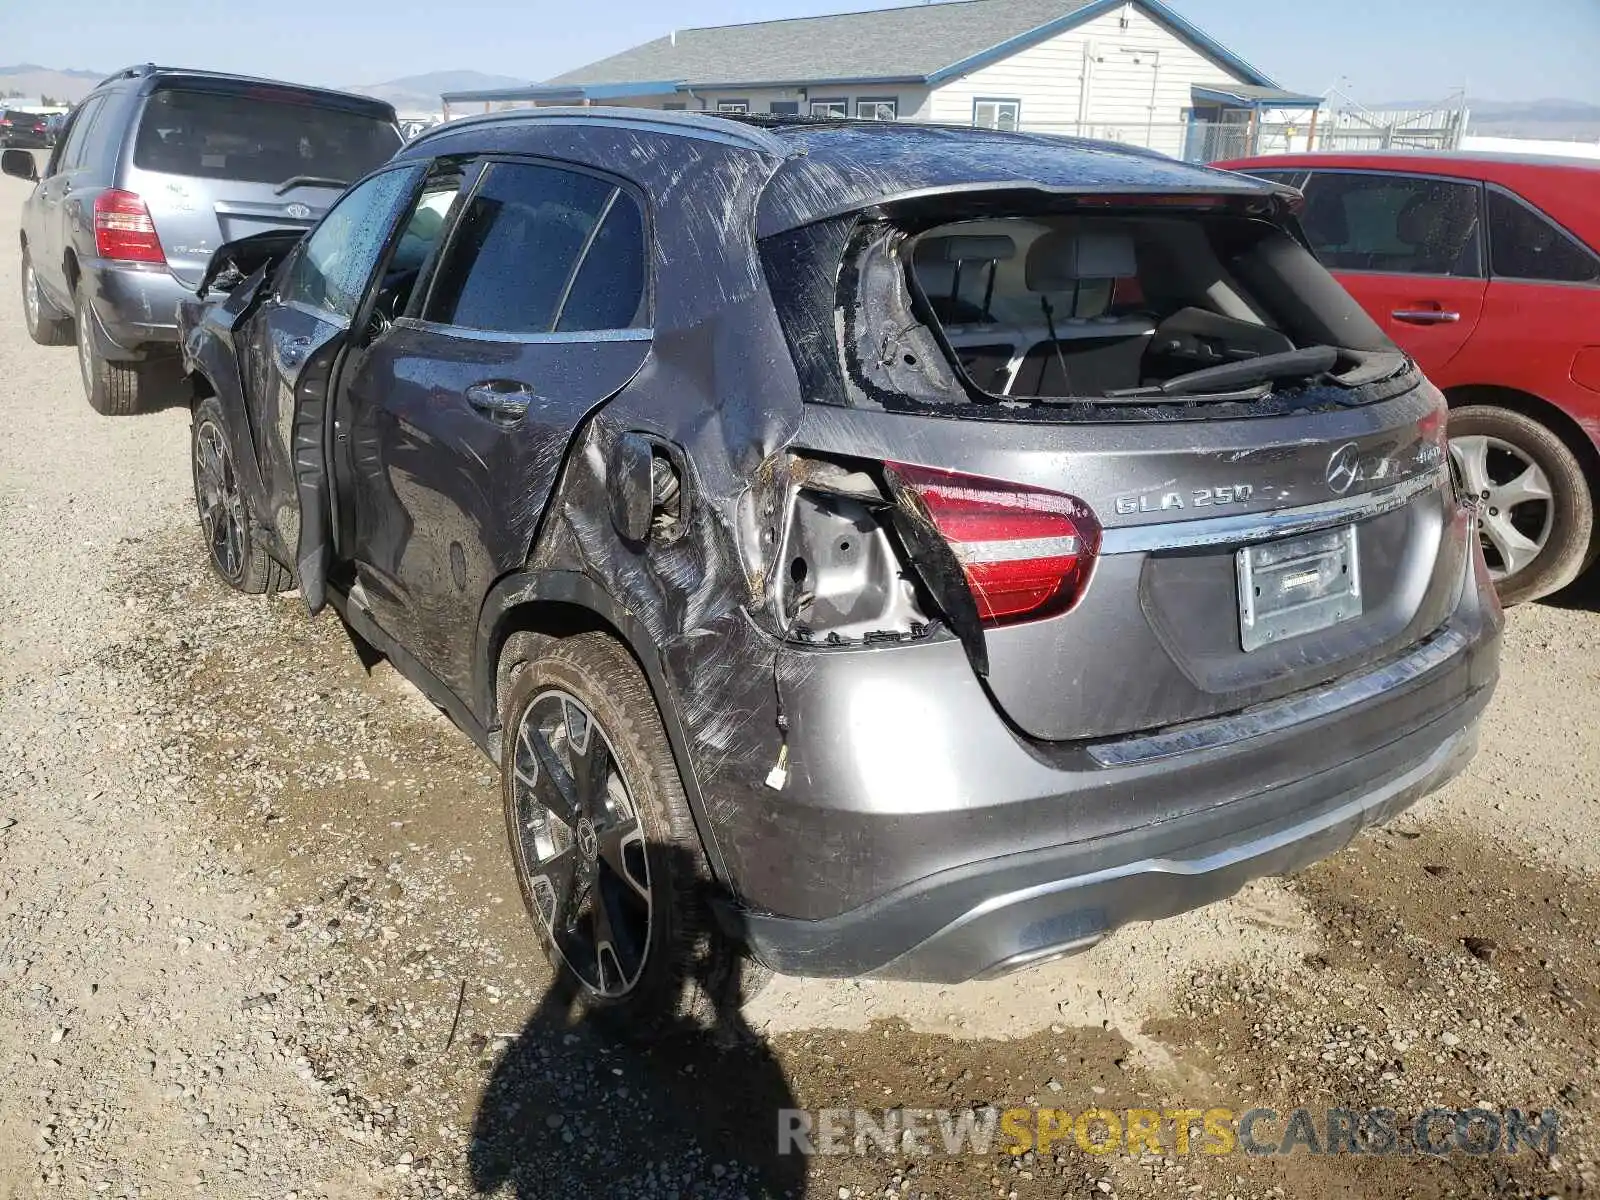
pixel 1297 585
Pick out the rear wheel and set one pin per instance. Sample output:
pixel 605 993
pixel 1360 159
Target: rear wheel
pixel 1535 508
pixel 46 325
pixel 235 553
pixel 606 852
pixel 111 387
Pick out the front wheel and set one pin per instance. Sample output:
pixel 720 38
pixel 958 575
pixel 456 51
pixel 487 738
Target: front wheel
pixel 1535 508
pixel 606 852
pixel 234 550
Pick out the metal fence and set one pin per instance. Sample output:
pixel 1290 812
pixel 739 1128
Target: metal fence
pixel 1346 129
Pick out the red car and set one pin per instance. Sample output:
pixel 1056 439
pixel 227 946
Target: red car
pixel 1485 268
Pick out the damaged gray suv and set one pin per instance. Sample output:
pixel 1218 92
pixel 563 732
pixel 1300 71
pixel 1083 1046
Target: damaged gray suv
pixel 866 549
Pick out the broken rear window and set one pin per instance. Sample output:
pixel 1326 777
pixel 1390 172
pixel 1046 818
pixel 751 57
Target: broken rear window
pixel 1103 304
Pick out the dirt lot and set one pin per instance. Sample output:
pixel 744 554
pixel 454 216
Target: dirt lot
pixel 259 936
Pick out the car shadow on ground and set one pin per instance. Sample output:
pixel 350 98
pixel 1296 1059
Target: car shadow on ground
pixel 1581 595
pixel 573 1107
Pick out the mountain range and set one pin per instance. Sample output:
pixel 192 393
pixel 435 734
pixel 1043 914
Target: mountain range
pixel 412 93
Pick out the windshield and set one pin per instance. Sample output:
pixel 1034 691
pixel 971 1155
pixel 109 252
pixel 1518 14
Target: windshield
pixel 216 135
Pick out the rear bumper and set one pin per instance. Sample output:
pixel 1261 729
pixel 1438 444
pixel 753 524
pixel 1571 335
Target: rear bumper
pixel 136 309
pixel 1038 854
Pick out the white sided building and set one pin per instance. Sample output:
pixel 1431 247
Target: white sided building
pixel 1126 70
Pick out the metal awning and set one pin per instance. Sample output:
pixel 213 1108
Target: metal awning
pixel 1245 95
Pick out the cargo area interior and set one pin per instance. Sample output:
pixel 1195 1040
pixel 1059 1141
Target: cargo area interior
pixel 1090 304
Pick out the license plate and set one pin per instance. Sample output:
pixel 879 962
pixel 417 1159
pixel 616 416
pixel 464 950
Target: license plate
pixel 1297 585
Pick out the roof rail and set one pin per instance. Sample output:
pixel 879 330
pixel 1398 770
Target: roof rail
pixel 689 123
pixel 135 72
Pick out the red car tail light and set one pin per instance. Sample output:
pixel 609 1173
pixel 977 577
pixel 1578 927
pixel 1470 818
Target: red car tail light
pixel 1026 553
pixel 123 228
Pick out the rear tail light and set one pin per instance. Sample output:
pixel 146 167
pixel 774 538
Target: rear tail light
pixel 123 228
pixel 1026 553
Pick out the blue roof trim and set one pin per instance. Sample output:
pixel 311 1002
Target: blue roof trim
pixel 1089 12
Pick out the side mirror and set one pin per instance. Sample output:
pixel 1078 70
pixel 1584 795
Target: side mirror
pixel 20 163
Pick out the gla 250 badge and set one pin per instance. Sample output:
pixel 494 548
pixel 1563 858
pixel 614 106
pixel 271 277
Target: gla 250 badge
pixel 1206 497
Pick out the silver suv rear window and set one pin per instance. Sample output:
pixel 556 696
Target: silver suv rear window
pixel 257 139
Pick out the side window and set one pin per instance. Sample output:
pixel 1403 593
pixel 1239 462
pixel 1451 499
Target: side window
pixel 517 261
pixel 608 292
pixel 70 154
pixel 332 266
pixel 1394 223
pixel 1524 244
pixel 418 242
pixel 100 142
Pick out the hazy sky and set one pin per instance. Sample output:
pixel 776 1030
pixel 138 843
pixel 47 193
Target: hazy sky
pixel 1387 49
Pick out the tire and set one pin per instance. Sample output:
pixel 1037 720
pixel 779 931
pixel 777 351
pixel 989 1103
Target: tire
pixel 112 388
pixel 226 523
pixel 45 323
pixel 579 697
pixel 1536 511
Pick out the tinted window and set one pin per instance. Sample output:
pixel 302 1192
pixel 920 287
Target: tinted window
pixel 258 138
pixel 418 241
pixel 70 154
pixel 1396 223
pixel 516 247
pixel 608 291
pixel 1524 245
pixel 332 266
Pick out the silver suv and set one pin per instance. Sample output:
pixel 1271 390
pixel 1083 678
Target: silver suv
pixel 151 173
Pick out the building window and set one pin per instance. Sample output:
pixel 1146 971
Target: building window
pixel 830 108
pixel 785 108
pixel 882 109
pixel 733 106
pixel 997 114
pixel 674 106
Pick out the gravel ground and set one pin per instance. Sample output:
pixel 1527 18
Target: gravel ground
pixel 259 936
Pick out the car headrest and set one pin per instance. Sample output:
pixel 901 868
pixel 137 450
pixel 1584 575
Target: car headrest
pixel 965 248
pixel 1062 258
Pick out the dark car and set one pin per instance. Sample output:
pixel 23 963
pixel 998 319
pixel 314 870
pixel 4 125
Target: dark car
pixel 154 170
pixel 882 549
pixel 24 130
pixel 1485 268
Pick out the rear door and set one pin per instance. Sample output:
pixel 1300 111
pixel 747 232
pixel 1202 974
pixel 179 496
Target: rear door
pixel 459 416
pixel 290 348
pixel 64 172
pixel 215 162
pixel 1410 249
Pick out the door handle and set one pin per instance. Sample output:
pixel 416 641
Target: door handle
pixel 1425 316
pixel 503 402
